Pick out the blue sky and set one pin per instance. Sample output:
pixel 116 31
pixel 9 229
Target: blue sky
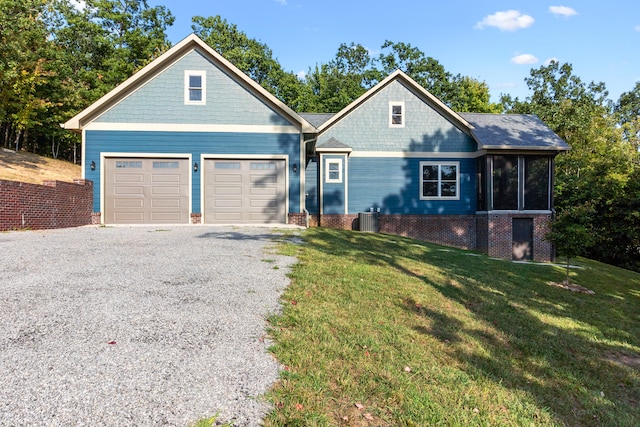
pixel 496 41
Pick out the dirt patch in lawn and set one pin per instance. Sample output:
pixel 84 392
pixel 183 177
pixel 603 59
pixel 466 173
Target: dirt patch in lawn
pixel 34 169
pixel 571 287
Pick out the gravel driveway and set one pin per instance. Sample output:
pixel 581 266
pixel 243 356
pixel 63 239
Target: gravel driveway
pixel 137 325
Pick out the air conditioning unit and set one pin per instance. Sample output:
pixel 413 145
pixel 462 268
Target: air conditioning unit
pixel 368 222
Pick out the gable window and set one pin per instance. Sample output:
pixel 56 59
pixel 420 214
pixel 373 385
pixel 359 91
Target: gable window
pixel 195 83
pixel 440 180
pixel 333 171
pixel 396 114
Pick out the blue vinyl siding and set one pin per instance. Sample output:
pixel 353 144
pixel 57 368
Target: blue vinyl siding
pixel 333 194
pixel 196 143
pixel 393 185
pixel 311 186
pixel 367 127
pixel 161 100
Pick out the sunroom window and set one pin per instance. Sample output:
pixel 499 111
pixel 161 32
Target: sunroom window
pixel 514 182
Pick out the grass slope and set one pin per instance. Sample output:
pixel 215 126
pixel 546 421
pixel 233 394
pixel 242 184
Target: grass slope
pixel 385 331
pixel 33 169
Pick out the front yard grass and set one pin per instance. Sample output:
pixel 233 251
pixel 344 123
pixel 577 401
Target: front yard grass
pixel 380 330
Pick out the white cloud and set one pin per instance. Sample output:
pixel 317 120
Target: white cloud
pixel 509 20
pixel 550 60
pixel 637 28
pixel 523 59
pixel 562 11
pixel 282 2
pixel 302 75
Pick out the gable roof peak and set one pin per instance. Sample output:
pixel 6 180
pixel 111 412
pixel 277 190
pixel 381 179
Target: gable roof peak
pixel 422 93
pixel 189 43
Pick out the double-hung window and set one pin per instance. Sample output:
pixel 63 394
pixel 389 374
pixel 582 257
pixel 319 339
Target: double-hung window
pixel 334 171
pixel 440 180
pixel 195 87
pixel 396 114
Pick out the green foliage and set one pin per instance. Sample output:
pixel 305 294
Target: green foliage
pixel 56 59
pixel 599 170
pixel 572 232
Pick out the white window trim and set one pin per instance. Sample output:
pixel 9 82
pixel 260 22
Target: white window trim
pixel 327 178
pixel 203 75
pixel 404 114
pixel 436 163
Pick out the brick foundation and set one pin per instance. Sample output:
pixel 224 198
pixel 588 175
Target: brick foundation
pixel 298 219
pixel 488 233
pixel 450 230
pixel 96 218
pixel 196 218
pixel 55 204
pixel 344 222
pixel 496 235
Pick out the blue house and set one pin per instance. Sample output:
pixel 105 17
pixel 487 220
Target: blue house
pixel 191 139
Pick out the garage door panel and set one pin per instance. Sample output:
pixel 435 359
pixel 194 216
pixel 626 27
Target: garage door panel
pixel 228 216
pixel 228 191
pixel 126 178
pixel 263 216
pixel 128 203
pixel 258 196
pixel 129 217
pixel 165 203
pixel 165 191
pixel 264 179
pixel 224 178
pixel 228 203
pixel 257 191
pixel 264 204
pixel 157 193
pixel 128 190
pixel 165 178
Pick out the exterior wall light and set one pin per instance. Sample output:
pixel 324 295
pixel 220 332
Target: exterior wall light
pixel 295 168
pixel 195 167
pixel 93 165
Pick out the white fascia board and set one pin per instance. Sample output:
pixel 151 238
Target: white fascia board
pixel 186 127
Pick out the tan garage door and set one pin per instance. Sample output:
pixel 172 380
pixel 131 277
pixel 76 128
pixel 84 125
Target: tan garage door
pixel 146 191
pixel 244 191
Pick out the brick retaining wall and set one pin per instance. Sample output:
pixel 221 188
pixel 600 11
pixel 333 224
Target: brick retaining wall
pixel 55 204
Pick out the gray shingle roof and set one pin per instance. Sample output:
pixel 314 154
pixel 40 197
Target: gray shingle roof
pixel 333 144
pixel 513 131
pixel 316 119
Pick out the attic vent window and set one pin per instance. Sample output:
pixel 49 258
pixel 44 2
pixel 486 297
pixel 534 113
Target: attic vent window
pixel 195 87
pixel 396 114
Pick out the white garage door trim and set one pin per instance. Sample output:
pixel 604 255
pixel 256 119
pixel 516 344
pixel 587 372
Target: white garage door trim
pixel 210 156
pixel 104 156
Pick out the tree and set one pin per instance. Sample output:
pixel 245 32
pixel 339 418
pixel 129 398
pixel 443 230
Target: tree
pixel 25 57
pixel 571 232
pixel 628 110
pixel 601 166
pixel 252 57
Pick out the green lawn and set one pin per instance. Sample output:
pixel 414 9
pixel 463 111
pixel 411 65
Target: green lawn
pixel 380 330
